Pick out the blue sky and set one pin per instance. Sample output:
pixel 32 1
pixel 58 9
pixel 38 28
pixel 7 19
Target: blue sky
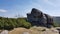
pixel 11 8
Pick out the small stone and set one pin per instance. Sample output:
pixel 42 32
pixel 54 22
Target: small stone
pixel 25 32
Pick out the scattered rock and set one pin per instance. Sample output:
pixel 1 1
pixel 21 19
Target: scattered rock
pixel 4 32
pixel 25 32
pixel 34 30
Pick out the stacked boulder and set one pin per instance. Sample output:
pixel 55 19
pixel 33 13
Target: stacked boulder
pixel 38 18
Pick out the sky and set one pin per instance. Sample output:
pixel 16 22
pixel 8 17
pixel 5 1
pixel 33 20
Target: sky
pixel 14 8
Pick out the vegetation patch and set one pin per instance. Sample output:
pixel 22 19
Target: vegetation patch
pixel 11 23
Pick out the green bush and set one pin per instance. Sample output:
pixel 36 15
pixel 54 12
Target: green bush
pixel 24 23
pixel 10 23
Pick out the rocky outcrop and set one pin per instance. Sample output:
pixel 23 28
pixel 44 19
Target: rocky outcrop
pixel 49 20
pixel 38 18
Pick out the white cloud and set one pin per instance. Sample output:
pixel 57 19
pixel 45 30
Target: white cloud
pixel 53 12
pixel 49 2
pixel 46 0
pixel 55 3
pixel 2 10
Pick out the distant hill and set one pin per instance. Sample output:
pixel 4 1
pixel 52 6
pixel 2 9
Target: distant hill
pixel 57 20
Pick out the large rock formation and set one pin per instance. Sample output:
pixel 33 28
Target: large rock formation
pixel 38 18
pixel 49 20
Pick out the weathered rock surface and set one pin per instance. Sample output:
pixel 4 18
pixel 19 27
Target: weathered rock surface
pixel 38 18
pixel 4 32
pixel 34 30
